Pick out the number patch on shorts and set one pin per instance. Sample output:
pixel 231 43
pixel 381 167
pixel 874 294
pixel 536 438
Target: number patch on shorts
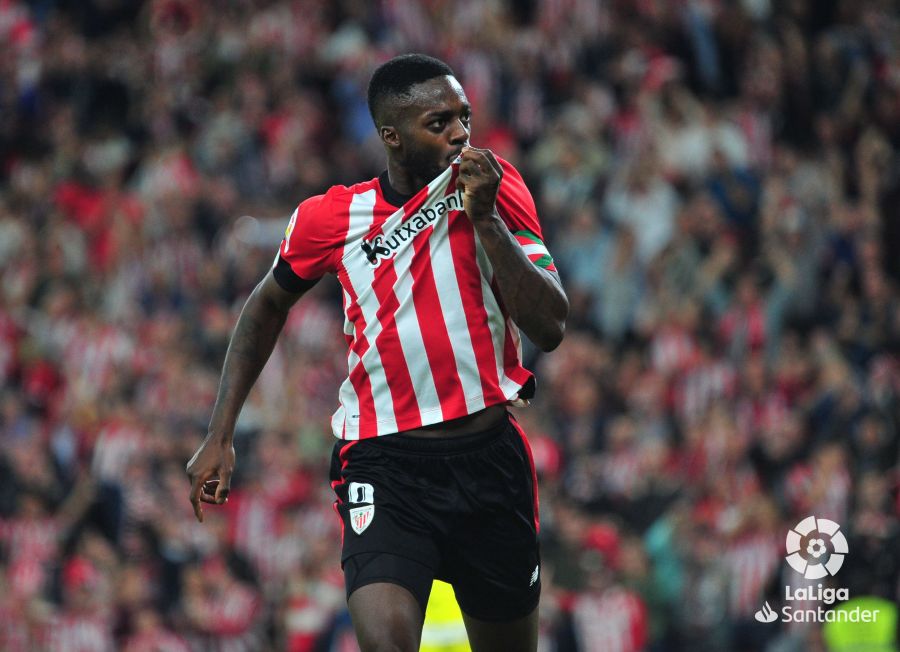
pixel 361 517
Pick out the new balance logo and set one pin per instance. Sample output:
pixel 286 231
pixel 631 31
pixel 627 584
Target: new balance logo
pixel 534 575
pixel 766 614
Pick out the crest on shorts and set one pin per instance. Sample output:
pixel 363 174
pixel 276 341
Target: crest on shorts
pixel 361 517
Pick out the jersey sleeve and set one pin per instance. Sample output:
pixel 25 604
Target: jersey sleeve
pixel 307 250
pixel 516 208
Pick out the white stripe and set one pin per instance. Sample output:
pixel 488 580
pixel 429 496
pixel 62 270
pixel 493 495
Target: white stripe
pixel 349 328
pixel 535 249
pixel 410 333
pixel 347 396
pixel 349 403
pixel 444 269
pixel 361 276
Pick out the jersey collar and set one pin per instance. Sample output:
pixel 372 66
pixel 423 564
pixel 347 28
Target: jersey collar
pixel 392 196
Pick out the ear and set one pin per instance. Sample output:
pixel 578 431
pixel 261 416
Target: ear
pixel 390 136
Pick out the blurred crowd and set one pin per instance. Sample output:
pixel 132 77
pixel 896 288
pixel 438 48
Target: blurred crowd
pixel 718 182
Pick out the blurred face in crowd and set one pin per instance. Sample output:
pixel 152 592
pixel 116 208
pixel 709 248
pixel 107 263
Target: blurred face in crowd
pixel 427 130
pixel 31 506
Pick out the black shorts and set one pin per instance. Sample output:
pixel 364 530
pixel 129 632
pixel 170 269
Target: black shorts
pixel 460 509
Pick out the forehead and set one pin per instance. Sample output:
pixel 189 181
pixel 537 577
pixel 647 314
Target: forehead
pixel 438 94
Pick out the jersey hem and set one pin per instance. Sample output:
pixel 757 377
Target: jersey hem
pixel 510 389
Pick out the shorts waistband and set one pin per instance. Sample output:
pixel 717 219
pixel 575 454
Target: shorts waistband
pixel 441 445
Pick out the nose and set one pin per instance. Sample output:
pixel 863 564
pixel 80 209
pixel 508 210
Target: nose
pixel 460 133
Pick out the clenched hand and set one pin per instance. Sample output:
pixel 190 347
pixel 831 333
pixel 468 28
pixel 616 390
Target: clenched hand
pixel 479 180
pixel 210 473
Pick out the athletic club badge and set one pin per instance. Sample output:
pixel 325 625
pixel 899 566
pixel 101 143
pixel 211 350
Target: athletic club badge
pixel 361 517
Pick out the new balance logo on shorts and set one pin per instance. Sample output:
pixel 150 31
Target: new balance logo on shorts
pixel 361 517
pixel 534 575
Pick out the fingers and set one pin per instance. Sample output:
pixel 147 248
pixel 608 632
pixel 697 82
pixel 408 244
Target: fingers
pixel 469 169
pixel 209 471
pixel 208 492
pixel 213 491
pixel 483 158
pixel 197 482
pixel 224 486
pixel 479 179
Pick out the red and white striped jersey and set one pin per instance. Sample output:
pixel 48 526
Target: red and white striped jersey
pixel 70 632
pixel 429 339
pixel 752 562
pixel 614 620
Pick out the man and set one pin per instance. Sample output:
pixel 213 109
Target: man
pixel 440 260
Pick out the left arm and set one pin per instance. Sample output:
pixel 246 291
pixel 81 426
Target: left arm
pixel 533 296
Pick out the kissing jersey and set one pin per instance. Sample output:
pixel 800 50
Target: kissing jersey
pixel 429 339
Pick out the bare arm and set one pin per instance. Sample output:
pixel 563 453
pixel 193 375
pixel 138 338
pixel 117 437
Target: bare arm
pixel 533 296
pixel 252 342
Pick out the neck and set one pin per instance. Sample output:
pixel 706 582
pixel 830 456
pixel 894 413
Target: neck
pixel 403 181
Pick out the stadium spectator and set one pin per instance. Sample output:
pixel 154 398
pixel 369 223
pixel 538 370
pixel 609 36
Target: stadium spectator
pixel 718 181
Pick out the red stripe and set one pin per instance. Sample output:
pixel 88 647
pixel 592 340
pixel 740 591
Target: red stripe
pixel 512 366
pixel 342 456
pixel 438 347
pixel 358 376
pixel 396 372
pixel 534 482
pixel 468 278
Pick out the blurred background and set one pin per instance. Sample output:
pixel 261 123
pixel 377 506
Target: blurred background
pixel 718 182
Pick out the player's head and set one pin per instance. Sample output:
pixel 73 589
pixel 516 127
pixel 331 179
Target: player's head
pixel 421 112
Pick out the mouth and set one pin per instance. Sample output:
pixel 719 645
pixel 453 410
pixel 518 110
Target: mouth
pixel 454 156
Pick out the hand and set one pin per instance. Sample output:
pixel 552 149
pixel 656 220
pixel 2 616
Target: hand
pixel 479 180
pixel 210 473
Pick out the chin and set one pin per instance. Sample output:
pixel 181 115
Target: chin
pixel 428 168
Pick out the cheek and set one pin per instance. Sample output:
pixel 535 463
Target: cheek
pixel 424 151
pixel 424 143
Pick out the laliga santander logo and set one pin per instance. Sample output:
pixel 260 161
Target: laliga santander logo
pixel 816 532
pixel 816 549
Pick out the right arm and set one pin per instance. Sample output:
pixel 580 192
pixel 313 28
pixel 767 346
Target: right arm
pixel 252 342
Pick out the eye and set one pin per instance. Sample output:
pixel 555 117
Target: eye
pixel 437 125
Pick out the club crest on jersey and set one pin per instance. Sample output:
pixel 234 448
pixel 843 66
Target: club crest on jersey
pixel 361 517
pixel 386 246
pixel 290 229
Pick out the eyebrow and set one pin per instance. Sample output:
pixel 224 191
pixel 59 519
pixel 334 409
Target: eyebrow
pixel 441 113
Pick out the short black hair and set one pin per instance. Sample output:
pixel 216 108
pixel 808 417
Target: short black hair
pixel 395 77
